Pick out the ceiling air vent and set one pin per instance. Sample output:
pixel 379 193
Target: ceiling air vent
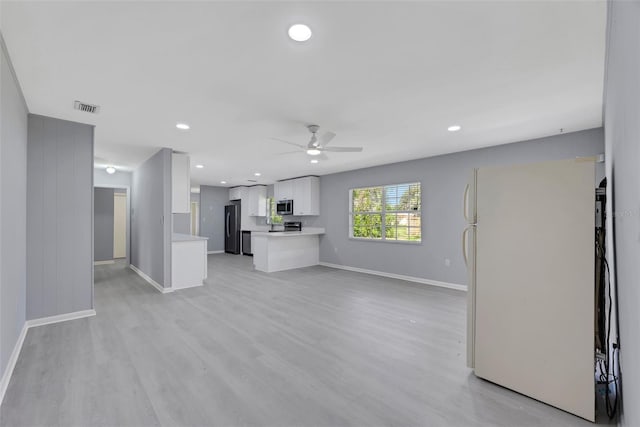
pixel 87 108
pixel 252 180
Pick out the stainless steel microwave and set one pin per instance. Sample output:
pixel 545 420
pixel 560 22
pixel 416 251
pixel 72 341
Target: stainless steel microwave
pixel 284 207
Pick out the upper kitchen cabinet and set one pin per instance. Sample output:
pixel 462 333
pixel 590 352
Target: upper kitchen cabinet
pixel 256 200
pixel 236 193
pixel 283 190
pixel 180 183
pixel 306 195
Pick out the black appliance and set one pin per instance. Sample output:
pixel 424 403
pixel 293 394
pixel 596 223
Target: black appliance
pixel 293 226
pixel 284 207
pixel 232 228
pixel 246 243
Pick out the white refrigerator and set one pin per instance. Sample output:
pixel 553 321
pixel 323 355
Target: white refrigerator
pixel 529 249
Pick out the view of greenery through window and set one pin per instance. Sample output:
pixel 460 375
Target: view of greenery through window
pixel 274 217
pixel 390 212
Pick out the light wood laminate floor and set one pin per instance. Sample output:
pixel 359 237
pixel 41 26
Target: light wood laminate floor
pixel 308 347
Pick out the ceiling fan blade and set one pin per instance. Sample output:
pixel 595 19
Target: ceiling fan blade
pixel 323 157
pixel 343 149
pixel 289 152
pixel 313 142
pixel 326 138
pixel 288 142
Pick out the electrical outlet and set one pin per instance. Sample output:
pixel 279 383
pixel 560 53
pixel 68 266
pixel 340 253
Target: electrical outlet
pixel 447 262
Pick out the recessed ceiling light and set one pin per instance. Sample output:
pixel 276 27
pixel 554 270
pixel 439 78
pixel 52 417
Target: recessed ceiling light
pixel 300 32
pixel 110 170
pixel 183 126
pixel 313 152
pixel 454 128
pixel 257 174
pixel 314 161
pixel 199 166
pixel 223 182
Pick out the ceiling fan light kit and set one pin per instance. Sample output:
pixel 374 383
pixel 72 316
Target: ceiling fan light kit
pixel 316 147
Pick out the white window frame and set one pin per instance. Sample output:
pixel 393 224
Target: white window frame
pixel 382 213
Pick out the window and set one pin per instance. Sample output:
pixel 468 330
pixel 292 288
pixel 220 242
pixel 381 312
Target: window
pixel 386 213
pixel 272 216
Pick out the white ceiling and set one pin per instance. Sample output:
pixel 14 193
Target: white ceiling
pixel 389 76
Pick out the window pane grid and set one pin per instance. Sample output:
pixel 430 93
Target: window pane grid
pixel 389 212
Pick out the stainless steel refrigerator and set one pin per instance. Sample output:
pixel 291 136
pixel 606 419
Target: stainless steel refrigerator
pixel 529 250
pixel 232 228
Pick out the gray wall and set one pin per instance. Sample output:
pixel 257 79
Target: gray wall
pixel 212 203
pixel 443 181
pixel 622 134
pixel 182 223
pixel 102 224
pixel 59 217
pixel 151 217
pixel 13 209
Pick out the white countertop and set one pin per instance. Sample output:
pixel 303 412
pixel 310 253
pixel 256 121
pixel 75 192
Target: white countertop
pixel 311 231
pixel 177 237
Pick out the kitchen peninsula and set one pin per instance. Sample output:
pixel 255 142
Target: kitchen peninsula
pixel 286 250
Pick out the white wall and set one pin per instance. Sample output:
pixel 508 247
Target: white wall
pixel 13 205
pixel 622 136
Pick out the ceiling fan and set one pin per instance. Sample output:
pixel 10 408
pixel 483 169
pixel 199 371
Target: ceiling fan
pixel 317 146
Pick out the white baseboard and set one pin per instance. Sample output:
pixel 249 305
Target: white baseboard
pixel 188 286
pixel 150 280
pixel 398 276
pixel 214 252
pixel 109 261
pixel 60 318
pixel 13 359
pixel 8 372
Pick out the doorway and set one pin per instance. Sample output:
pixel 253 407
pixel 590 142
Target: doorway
pixel 111 225
pixel 119 225
pixel 195 218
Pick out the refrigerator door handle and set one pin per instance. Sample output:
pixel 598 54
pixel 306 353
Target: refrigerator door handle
pixel 228 225
pixel 464 245
pixel 465 202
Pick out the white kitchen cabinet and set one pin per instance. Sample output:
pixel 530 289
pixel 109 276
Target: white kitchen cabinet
pixel 283 190
pixel 235 193
pixel 306 196
pixel 180 183
pixel 256 201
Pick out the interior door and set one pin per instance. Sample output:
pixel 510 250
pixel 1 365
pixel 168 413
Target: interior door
pixel 534 311
pixel 119 225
